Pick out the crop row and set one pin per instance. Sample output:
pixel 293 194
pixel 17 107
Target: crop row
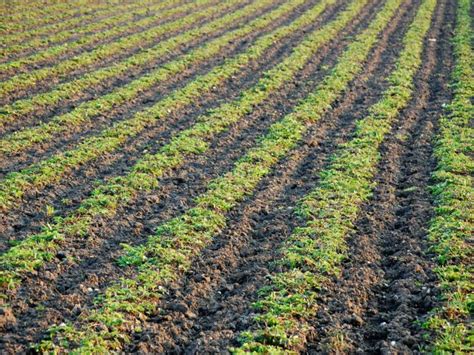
pixel 170 251
pixel 96 31
pixel 452 228
pixel 51 170
pixel 313 253
pixel 24 16
pixel 87 60
pixel 142 59
pixel 105 200
pixel 47 24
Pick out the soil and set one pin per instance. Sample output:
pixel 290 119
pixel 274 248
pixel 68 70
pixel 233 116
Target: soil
pixel 66 194
pixel 30 51
pixel 108 85
pixel 30 27
pixel 211 305
pixel 386 286
pixel 29 319
pixel 53 80
pixel 73 135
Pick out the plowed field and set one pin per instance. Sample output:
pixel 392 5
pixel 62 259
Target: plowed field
pixel 233 176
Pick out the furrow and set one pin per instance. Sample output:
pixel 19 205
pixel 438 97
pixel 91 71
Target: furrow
pixel 22 85
pixel 83 15
pixel 388 253
pixel 76 185
pixel 120 16
pixel 141 21
pixel 204 311
pixel 177 241
pixel 194 140
pixel 20 19
pixel 15 184
pixel 81 181
pixel 452 228
pixel 14 13
pixel 70 280
pixel 313 253
pixel 172 72
pixel 74 94
pixel 236 176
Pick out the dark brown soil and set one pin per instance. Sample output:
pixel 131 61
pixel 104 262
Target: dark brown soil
pixel 96 256
pixel 69 139
pixel 45 113
pixel 13 8
pixel 136 17
pixel 30 51
pixel 387 286
pixel 49 83
pixel 208 308
pixel 31 214
pixel 387 283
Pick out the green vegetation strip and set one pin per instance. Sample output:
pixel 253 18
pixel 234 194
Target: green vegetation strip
pixel 152 167
pixel 20 33
pixel 18 14
pixel 104 201
pixel 170 251
pixel 93 33
pixel 13 10
pixel 27 15
pixel 15 111
pixel 452 228
pixel 48 171
pixel 88 60
pixel 313 253
pixel 143 58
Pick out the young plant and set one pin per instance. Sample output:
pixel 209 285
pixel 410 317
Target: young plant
pixel 312 255
pixel 170 251
pixel 452 228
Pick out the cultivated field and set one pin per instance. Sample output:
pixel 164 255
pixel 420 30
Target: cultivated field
pixel 232 176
